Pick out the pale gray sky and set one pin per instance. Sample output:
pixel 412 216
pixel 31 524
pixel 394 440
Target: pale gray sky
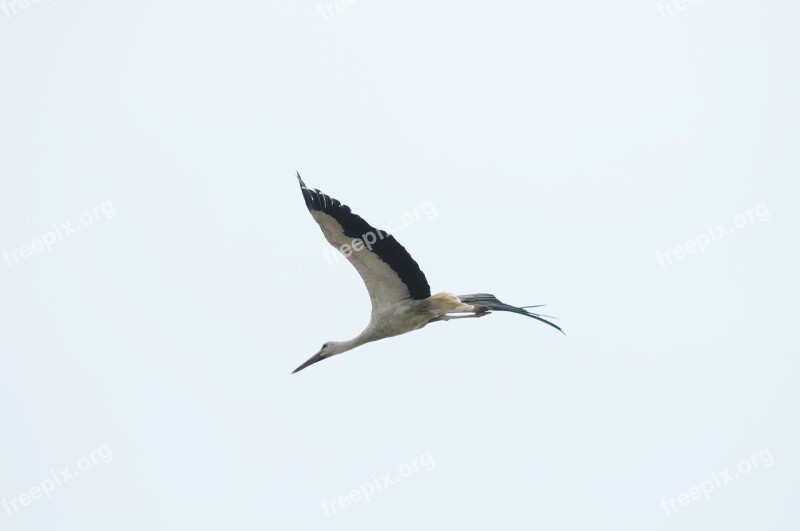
pixel 632 164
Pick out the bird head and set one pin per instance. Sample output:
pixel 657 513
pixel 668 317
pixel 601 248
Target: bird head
pixel 331 348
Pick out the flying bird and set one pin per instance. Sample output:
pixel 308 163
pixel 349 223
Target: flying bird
pixel 400 294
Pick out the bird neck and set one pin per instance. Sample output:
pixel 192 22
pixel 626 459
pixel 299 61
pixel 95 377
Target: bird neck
pixel 357 341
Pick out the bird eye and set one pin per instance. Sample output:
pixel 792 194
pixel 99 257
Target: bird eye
pixel 324 346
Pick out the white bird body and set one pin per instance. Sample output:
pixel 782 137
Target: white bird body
pixel 402 317
pixel 399 292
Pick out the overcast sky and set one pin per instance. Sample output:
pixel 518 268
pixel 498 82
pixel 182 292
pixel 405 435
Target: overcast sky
pixel 632 164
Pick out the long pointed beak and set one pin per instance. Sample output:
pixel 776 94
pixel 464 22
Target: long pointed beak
pixel 311 361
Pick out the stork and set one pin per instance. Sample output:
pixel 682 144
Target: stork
pixel 400 294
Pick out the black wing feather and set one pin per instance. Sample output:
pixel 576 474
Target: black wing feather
pixel 387 248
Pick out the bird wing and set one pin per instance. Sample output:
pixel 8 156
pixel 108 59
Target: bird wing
pixel 388 271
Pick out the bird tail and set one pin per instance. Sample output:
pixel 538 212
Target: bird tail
pixel 491 302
